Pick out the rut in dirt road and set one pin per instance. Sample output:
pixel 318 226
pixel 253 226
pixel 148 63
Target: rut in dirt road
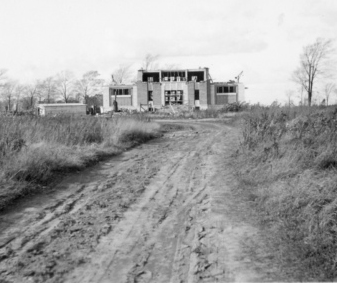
pixel 162 212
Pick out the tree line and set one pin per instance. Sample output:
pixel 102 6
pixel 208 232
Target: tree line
pixel 63 87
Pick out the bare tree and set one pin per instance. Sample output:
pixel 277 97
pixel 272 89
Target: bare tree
pixel 8 93
pixel 48 89
pixel 149 62
pixel 121 75
pixel 335 91
pixel 65 85
pixel 32 92
pixel 289 95
pixel 313 64
pixel 18 92
pixel 328 89
pixel 300 95
pixel 89 85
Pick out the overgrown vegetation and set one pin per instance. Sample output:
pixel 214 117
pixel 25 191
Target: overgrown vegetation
pixel 188 112
pixel 287 166
pixel 33 149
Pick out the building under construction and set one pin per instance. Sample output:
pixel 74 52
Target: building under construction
pixel 158 88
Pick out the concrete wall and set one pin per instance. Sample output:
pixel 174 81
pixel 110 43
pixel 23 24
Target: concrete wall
pixel 58 109
pixel 222 99
pixel 232 98
pixel 241 92
pixel 142 93
pixel 106 98
pixel 135 97
pixel 157 99
pixel 125 100
pixel 202 86
pixel 140 75
pixel 191 91
pixel 208 94
pixel 185 93
pixel 212 94
pixel 174 85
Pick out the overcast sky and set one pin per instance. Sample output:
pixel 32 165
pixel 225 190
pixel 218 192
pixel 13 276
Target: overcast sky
pixel 262 38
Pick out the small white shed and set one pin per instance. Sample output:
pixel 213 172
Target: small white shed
pixel 62 108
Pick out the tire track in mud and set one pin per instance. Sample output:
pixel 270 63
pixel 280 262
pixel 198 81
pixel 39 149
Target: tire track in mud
pixel 11 256
pixel 151 216
pixel 58 222
pixel 143 225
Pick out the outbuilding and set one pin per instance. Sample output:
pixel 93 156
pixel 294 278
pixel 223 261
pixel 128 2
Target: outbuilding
pixel 62 108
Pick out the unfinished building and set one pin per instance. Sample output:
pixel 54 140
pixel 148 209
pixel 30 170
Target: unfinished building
pixel 157 88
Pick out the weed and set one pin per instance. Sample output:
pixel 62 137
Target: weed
pixel 33 149
pixel 288 164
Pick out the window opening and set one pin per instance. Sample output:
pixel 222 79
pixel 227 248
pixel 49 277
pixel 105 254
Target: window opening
pixel 197 76
pixel 173 76
pixel 150 95
pixel 196 94
pixel 120 91
pixel 151 77
pixel 173 97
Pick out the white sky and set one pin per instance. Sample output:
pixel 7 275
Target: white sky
pixel 264 38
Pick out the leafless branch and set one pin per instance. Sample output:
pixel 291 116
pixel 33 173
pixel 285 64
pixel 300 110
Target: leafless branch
pixel 149 62
pixel 314 63
pixel 121 75
pixel 65 85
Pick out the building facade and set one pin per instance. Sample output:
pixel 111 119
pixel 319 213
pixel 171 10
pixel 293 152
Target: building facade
pixel 158 88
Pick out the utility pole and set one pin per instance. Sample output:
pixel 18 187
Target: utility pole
pixel 115 104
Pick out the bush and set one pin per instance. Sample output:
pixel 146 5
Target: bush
pixel 236 107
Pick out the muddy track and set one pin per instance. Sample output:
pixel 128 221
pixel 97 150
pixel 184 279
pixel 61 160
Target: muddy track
pixel 162 212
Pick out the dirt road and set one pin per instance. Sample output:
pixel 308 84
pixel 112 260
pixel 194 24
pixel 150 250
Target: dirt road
pixel 161 212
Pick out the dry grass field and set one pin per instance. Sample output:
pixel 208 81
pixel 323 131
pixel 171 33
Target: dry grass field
pixel 287 169
pixel 34 149
pixel 250 197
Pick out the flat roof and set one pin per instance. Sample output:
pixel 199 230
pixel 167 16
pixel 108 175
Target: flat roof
pixel 120 86
pixel 61 104
pixel 227 83
pixel 175 70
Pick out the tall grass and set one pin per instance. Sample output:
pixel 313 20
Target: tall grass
pixel 287 166
pixel 33 149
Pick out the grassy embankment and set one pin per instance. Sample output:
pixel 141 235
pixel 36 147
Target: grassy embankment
pixel 287 169
pixel 34 149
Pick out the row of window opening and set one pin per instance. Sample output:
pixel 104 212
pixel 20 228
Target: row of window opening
pixel 172 79
pixel 173 97
pixel 226 89
pixel 121 91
